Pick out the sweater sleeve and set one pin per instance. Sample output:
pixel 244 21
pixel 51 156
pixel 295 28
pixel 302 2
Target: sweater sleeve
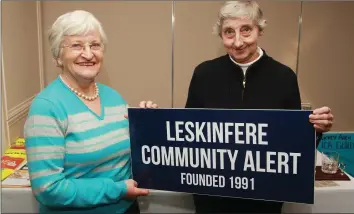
pixel 292 98
pixel 45 146
pixel 193 98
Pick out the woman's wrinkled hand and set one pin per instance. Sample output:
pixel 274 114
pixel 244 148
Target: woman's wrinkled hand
pixel 145 104
pixel 322 119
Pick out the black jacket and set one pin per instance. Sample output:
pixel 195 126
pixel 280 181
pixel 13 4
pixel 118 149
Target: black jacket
pixel 220 83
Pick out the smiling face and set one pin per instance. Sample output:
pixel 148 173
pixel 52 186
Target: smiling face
pixel 82 56
pixel 240 37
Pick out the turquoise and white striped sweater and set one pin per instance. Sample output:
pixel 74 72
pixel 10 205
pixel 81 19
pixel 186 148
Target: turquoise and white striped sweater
pixel 78 160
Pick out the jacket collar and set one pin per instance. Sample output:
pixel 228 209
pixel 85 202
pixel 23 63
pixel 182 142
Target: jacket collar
pixel 263 58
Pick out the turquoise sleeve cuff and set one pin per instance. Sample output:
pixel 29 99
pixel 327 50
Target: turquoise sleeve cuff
pixel 122 186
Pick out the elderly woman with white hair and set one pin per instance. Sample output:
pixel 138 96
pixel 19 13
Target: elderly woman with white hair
pixel 246 78
pixel 77 136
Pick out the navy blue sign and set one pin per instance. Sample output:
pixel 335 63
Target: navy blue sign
pixel 255 154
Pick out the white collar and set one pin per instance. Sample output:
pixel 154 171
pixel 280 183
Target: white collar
pixel 259 50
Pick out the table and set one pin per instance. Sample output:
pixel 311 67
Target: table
pixel 338 199
pixel 18 200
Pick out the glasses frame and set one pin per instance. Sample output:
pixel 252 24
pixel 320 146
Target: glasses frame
pixel 82 46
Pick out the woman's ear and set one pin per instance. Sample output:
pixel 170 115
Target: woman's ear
pixel 261 32
pixel 58 62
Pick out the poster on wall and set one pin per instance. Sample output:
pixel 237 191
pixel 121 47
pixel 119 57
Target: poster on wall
pixel 255 154
pixel 343 144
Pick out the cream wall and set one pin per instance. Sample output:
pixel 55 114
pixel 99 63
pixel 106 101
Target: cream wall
pixel 142 64
pixel 193 42
pixel 21 64
pixel 326 61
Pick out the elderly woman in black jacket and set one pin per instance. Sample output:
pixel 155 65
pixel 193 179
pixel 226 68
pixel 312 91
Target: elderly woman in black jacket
pixel 246 78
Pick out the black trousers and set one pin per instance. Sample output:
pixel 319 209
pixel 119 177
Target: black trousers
pixel 213 204
pixel 134 208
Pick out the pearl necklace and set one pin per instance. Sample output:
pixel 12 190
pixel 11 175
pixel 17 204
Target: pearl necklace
pixel 89 98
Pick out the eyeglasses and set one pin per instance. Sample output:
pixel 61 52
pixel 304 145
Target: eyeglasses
pixel 79 47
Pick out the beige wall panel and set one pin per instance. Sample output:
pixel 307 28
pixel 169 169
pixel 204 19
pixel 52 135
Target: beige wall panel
pixel 138 57
pixel 20 51
pixel 326 60
pixel 194 41
pixel 280 38
pixel 16 129
pixel 4 134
